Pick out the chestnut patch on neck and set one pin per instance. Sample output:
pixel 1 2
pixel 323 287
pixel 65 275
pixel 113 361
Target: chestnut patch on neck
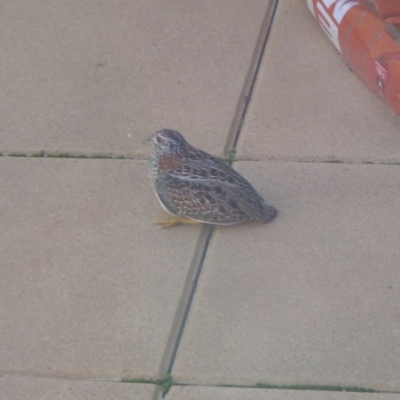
pixel 168 163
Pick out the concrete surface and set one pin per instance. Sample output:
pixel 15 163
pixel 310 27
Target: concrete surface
pixel 85 274
pixel 314 296
pixel 95 297
pixel 97 77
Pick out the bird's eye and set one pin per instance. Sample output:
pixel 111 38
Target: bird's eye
pixel 158 139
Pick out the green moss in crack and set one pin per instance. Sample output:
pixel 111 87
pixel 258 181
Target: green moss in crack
pixel 230 157
pixel 327 388
pixel 166 382
pixel 18 155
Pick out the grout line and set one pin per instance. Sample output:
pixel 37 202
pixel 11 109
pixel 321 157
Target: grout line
pixel 231 158
pixel 66 154
pixel 294 387
pixel 321 160
pixel 192 281
pixel 185 303
pixel 251 77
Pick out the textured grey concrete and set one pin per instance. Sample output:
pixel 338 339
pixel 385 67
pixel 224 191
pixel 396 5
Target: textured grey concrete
pixel 82 76
pixel 312 298
pixel 308 105
pixel 27 388
pixel 212 393
pixel 89 287
pixel 92 293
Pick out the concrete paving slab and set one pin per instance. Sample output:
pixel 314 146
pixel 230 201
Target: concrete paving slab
pixel 211 393
pixel 84 76
pixel 21 388
pixel 312 298
pixel 308 105
pixel 89 287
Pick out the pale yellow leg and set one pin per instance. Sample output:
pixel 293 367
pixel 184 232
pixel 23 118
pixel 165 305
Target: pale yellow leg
pixel 173 221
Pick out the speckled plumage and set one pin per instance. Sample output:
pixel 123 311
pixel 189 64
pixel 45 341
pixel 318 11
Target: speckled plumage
pixel 194 184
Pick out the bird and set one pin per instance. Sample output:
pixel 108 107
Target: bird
pixel 194 186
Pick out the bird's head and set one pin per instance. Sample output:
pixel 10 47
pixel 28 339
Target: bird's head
pixel 168 141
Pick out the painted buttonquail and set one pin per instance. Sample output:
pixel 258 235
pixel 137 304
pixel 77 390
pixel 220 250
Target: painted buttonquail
pixel 195 186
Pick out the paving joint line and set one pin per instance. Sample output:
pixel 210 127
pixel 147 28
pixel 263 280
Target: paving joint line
pixel 299 387
pixel 230 158
pixel 183 310
pixel 294 387
pixel 72 155
pixel 251 78
pixel 159 382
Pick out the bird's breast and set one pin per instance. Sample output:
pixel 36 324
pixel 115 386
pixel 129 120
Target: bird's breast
pixel 160 164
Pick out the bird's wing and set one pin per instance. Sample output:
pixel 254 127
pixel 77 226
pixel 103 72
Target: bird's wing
pixel 221 176
pixel 198 198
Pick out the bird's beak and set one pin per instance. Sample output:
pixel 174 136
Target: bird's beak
pixel 149 140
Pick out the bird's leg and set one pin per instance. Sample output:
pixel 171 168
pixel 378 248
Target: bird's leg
pixel 173 221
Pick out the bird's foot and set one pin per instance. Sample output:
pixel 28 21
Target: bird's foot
pixel 173 221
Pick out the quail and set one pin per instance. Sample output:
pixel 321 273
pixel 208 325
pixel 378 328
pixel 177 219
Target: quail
pixel 195 186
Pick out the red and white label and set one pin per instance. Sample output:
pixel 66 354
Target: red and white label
pixel 330 14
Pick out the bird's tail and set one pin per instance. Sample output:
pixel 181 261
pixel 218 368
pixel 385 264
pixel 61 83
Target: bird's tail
pixel 269 213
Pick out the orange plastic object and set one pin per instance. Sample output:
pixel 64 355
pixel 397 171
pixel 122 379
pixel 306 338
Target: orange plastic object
pixel 367 34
